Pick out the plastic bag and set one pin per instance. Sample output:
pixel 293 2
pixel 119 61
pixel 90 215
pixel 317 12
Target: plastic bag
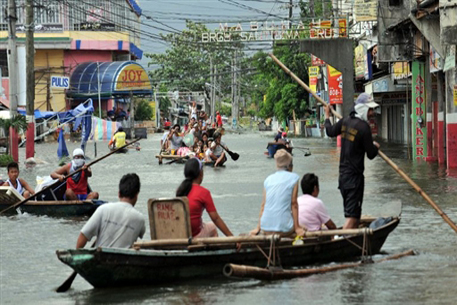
pixel 42 182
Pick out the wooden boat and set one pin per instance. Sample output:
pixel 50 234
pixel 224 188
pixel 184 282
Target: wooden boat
pixel 178 159
pixel 46 206
pixel 274 146
pixel 108 267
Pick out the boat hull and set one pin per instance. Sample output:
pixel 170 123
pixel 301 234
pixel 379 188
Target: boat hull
pixel 104 267
pixel 273 147
pixel 55 208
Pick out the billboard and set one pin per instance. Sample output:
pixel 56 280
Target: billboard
pixel 335 85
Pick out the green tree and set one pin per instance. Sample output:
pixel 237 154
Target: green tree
pixel 164 102
pixel 283 94
pixel 17 122
pixel 186 64
pixel 143 111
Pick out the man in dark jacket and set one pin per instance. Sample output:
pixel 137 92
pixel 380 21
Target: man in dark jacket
pixel 356 140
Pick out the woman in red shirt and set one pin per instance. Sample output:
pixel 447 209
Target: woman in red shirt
pixel 200 199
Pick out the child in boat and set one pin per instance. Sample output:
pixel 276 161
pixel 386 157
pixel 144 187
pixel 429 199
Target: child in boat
pixel 312 213
pixel 200 199
pixel 209 151
pixel 17 183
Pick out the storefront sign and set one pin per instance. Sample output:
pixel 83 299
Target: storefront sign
pixel 401 70
pixel 393 98
pixel 97 26
pixel 313 73
pixel 132 77
pixel 61 82
pixel 335 85
pixel 419 126
pixel 42 28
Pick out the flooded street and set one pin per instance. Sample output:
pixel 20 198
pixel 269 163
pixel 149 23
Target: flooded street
pixel 30 270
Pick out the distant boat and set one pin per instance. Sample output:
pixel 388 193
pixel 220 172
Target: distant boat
pixel 275 146
pixel 50 204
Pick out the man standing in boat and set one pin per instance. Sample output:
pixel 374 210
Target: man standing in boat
pixel 116 224
pixel 77 187
pixel 356 140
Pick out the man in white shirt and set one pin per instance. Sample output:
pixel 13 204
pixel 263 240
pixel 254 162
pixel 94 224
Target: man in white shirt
pixel 164 139
pixel 312 213
pixel 116 224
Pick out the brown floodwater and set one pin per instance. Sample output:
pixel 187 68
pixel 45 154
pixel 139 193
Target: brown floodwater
pixel 30 270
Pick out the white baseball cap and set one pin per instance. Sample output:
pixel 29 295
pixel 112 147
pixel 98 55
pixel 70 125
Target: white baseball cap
pixel 78 152
pixel 367 100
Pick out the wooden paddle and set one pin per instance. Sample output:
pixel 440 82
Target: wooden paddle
pixel 381 154
pixel 232 154
pixel 67 284
pixel 16 205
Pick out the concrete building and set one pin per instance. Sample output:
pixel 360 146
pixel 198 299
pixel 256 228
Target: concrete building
pixel 69 33
pixel 422 36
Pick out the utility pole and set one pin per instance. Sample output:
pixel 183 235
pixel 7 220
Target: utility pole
pixel 12 70
pixel 157 102
pixel 30 80
pixel 132 116
pixel 290 10
pixel 213 112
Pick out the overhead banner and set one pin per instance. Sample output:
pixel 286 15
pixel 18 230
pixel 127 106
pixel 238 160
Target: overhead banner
pixel 335 85
pixel 419 126
pixel 313 73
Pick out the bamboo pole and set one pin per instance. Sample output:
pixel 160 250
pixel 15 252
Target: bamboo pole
pixel 242 239
pixel 242 271
pixel 207 240
pixel 381 154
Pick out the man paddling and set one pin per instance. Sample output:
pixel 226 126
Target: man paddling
pixel 116 224
pixel 356 140
pixel 118 140
pixel 77 186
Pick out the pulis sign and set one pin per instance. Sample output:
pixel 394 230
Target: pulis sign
pixel 61 82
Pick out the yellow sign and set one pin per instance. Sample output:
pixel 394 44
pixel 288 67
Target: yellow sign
pixel 365 10
pixel 455 95
pixel 313 73
pixel 133 77
pixel 333 72
pixel 401 70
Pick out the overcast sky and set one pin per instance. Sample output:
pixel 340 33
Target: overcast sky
pixel 170 15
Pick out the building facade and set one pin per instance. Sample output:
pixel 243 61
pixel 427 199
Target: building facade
pixel 69 33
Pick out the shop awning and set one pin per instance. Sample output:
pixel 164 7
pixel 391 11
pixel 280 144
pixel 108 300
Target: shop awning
pixel 117 78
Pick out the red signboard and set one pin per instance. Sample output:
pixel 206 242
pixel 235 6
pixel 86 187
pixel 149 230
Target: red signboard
pixel 316 61
pixel 335 85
